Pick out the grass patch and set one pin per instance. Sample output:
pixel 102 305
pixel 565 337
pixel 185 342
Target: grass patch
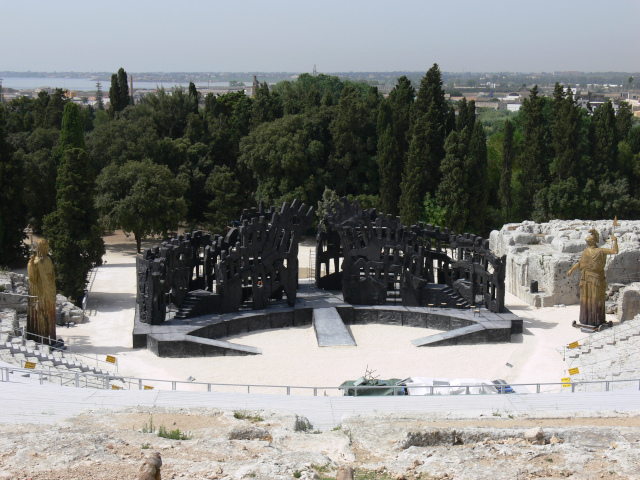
pixel 242 415
pixel 173 434
pixel 321 468
pixel 176 434
pixel 145 446
pixel 148 427
pixel 297 474
pixel 373 475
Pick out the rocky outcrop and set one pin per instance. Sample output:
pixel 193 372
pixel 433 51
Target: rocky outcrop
pixel 400 446
pixel 544 252
pixel 14 289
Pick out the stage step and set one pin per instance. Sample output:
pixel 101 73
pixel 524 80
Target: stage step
pixel 330 329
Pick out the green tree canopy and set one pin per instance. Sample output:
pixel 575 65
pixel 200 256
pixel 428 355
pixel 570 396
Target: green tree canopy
pixel 288 157
pixel 140 197
pixel 13 214
pixel 227 199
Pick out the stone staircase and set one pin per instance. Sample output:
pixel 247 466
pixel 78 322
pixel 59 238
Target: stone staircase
pixel 197 302
pixel 612 354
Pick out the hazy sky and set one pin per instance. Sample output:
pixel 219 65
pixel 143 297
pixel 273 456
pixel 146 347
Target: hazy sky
pixel 336 35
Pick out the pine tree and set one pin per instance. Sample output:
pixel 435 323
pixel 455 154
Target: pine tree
pixel 453 194
pixel 72 228
pixel 507 165
pixel 13 213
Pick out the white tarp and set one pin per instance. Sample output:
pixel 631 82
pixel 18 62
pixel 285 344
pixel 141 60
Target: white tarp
pixel 448 386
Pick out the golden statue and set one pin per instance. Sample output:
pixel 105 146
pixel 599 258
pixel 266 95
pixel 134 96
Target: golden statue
pixel 593 285
pixel 42 284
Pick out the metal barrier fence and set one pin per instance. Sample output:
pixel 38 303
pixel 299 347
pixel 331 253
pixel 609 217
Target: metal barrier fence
pixel 80 380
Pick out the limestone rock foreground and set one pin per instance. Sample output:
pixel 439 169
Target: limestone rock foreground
pixel 108 445
pixel 544 252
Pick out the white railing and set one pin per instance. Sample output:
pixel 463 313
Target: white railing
pixel 79 379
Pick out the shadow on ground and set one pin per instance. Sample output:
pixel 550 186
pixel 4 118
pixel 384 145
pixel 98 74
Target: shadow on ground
pixel 111 302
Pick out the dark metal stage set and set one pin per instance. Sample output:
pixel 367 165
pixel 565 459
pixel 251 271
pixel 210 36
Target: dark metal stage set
pixel 197 289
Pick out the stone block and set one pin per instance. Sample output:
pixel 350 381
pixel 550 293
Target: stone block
pixel 629 302
pixel 259 322
pixel 497 335
pixel 456 322
pixel 390 317
pixel 238 325
pixel 438 322
pixel 346 313
pixel 365 315
pixel 281 319
pixel 218 330
pixel 302 316
pixel 414 319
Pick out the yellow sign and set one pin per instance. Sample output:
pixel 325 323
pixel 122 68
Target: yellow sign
pixel 564 382
pixel 574 371
pixel 30 365
pixel 574 345
pixel 115 387
pixel 111 359
pixel 147 387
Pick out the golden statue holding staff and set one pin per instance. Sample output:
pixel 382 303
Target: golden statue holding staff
pixel 42 284
pixel 593 285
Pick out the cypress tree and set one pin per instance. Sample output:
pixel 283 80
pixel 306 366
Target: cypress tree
pixel 119 92
pixel 604 141
pixel 72 228
pixel 624 120
pixel 463 113
pixel 195 96
pixel 566 136
pixel 533 160
pixel 507 164
pixel 72 132
pixel 476 166
pixel 421 171
pixel 123 83
pixel 401 100
pixel 99 95
pixel 431 95
pixel 452 191
pixel 13 212
pixel 450 124
pixel 390 169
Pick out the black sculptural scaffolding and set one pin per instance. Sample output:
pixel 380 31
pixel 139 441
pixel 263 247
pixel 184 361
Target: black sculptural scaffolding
pixel 384 261
pixel 253 264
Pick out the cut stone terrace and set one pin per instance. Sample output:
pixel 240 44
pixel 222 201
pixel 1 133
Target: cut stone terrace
pixel 204 335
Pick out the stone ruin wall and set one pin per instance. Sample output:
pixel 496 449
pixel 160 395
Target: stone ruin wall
pixel 544 252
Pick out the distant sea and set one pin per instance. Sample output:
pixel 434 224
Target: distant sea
pixel 87 85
